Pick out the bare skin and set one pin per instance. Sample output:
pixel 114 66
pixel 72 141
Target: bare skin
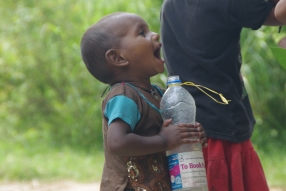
pixel 126 143
pixel 282 43
pixel 280 11
pixel 277 16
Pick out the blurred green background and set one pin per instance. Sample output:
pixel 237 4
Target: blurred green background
pixel 50 119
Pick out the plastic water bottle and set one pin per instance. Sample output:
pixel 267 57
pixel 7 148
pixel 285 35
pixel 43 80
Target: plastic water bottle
pixel 186 162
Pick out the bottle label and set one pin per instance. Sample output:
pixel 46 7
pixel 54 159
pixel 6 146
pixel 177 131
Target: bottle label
pixel 187 169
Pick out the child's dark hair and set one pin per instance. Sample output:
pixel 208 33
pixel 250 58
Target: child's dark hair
pixel 95 42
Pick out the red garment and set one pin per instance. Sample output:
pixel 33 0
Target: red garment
pixel 233 167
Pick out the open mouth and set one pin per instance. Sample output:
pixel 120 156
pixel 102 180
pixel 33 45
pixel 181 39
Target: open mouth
pixel 157 52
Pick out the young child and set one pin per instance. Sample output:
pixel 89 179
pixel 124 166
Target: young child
pixel 121 51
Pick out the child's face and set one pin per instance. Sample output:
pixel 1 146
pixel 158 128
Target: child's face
pixel 140 47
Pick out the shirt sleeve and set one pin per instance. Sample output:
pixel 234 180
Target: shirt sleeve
pixel 249 13
pixel 124 108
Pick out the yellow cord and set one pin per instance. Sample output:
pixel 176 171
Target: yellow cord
pixel 224 101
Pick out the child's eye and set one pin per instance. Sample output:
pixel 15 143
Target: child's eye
pixel 142 33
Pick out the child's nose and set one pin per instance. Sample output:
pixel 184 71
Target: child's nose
pixel 155 36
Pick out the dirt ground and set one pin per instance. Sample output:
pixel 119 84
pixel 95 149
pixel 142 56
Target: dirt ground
pixel 54 186
pixel 60 186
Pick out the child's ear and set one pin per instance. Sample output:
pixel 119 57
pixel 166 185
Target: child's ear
pixel 113 56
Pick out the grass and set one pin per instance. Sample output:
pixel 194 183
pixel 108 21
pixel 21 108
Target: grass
pixel 44 163
pixel 274 163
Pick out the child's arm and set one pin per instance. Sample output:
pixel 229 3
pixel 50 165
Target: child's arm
pixel 121 141
pixel 280 11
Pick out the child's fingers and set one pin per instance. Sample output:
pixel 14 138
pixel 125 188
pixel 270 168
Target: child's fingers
pixel 190 140
pixel 189 129
pixel 204 142
pixel 199 127
pixel 189 125
pixel 190 135
pixel 202 134
pixel 167 122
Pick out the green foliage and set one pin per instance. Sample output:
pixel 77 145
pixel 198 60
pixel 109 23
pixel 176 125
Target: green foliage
pixel 280 55
pixel 265 82
pixel 274 166
pixel 46 92
pixel 48 164
pixel 50 106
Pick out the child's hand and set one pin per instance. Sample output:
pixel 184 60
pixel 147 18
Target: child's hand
pixel 178 134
